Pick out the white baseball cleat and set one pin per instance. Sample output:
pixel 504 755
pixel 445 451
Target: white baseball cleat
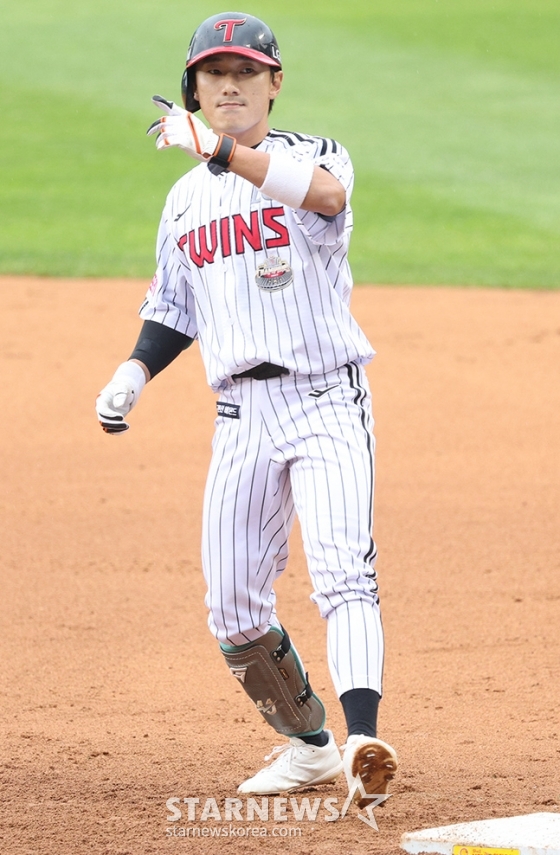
pixel 374 761
pixel 298 765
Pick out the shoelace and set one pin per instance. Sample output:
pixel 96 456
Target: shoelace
pixel 280 749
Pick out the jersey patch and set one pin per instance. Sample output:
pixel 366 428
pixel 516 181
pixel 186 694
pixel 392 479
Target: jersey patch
pixel 229 411
pixel 274 274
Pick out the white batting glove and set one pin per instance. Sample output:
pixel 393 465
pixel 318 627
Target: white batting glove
pixel 119 396
pixel 184 130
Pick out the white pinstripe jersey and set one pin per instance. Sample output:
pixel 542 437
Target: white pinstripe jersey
pixel 214 233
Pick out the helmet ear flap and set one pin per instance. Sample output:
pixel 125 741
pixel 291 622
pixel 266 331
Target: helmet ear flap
pixel 187 91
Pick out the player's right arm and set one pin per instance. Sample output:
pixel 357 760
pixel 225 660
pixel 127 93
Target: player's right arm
pixel 156 348
pixel 169 328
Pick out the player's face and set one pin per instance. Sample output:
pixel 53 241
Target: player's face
pixel 234 94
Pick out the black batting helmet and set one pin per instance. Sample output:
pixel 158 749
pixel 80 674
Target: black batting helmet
pixel 228 32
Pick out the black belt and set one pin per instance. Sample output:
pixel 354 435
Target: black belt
pixel 264 371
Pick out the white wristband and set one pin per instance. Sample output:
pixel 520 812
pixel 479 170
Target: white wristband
pixel 288 180
pixel 134 373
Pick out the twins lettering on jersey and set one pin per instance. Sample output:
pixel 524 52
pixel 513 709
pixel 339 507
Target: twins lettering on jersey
pixel 233 234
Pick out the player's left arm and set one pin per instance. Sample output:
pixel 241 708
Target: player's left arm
pixel 279 173
pixel 296 182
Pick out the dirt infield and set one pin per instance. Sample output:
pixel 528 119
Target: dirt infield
pixel 114 695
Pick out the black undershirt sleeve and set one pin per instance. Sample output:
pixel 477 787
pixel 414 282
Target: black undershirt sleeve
pixel 158 346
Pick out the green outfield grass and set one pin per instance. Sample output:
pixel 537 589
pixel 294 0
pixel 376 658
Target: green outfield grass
pixel 449 108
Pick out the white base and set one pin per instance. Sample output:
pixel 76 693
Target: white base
pixel 533 834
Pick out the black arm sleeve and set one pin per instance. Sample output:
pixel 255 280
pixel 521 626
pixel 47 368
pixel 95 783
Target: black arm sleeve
pixel 158 346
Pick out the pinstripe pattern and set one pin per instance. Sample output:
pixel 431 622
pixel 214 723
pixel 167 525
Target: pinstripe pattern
pixel 289 450
pixel 307 327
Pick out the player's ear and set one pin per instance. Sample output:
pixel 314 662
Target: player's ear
pixel 276 79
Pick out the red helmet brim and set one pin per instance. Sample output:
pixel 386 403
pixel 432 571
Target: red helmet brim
pixel 241 51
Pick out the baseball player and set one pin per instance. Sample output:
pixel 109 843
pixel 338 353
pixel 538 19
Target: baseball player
pixel 252 261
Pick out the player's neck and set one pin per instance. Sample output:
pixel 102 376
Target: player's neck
pixel 251 140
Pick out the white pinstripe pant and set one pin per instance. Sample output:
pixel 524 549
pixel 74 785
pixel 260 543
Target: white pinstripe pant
pixel 289 450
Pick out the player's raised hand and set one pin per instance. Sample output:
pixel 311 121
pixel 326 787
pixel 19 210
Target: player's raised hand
pixel 119 396
pixel 182 129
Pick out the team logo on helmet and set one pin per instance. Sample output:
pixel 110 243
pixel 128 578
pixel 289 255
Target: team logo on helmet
pixel 274 274
pixel 229 25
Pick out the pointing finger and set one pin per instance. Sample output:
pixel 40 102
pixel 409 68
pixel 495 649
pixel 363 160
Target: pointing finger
pixel 159 101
